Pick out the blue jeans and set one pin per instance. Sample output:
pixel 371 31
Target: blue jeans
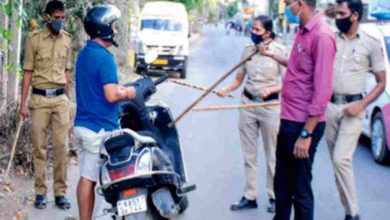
pixel 293 176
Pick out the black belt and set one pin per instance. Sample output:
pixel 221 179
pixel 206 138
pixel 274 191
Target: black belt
pixel 345 99
pixel 257 98
pixel 48 92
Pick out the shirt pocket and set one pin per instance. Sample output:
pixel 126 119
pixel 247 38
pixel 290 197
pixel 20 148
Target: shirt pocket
pixel 43 60
pixel 305 62
pixel 360 62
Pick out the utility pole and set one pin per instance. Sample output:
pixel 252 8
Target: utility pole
pixel 133 31
pixel 4 60
pixel 16 27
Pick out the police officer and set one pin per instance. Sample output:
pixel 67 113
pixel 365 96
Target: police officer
pixel 263 84
pixel 357 53
pixel 46 68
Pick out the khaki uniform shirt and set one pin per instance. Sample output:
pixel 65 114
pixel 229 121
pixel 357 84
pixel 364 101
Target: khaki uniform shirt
pixel 354 59
pixel 47 58
pixel 261 71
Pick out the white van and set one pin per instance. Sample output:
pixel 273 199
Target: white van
pixel 163 27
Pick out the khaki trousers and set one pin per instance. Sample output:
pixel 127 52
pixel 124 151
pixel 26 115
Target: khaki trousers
pixel 50 113
pixel 267 120
pixel 342 135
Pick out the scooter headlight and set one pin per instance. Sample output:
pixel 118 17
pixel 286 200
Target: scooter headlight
pixel 144 163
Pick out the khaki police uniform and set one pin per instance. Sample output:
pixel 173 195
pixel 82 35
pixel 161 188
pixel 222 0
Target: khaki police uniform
pixel 262 72
pixel 354 58
pixel 48 59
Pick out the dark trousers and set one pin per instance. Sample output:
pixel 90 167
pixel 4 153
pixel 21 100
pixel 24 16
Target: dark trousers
pixel 293 176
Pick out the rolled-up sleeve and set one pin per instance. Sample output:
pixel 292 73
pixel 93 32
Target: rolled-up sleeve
pixel 29 54
pixel 324 54
pixel 68 62
pixel 377 57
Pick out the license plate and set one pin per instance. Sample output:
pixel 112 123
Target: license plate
pixel 131 206
pixel 160 62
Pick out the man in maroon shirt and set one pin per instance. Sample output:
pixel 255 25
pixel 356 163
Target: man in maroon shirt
pixel 307 88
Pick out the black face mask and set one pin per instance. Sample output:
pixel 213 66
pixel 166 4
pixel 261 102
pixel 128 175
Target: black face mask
pixel 256 39
pixel 344 24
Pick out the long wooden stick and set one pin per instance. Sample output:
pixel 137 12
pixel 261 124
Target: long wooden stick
pixel 187 84
pixel 231 107
pixel 11 157
pixel 212 88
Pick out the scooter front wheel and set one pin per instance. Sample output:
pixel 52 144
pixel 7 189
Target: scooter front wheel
pixel 148 215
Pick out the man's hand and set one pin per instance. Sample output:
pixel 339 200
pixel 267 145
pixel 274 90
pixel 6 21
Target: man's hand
pixel 222 93
pixel 264 93
pixel 130 92
pixel 354 109
pixel 264 51
pixel 23 112
pixel 302 147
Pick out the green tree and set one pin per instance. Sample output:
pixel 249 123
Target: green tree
pixel 190 4
pixel 232 9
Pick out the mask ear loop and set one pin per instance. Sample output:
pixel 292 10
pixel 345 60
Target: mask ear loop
pixel 49 18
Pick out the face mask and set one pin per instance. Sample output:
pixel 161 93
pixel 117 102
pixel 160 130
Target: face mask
pixel 290 15
pixel 56 25
pixel 344 24
pixel 256 39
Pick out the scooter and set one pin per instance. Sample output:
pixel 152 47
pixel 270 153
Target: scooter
pixel 143 173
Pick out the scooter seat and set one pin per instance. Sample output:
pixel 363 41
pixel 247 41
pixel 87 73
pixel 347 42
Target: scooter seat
pixel 118 142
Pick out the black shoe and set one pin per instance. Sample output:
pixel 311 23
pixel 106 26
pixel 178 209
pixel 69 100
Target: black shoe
pixel 348 217
pixel 244 204
pixel 40 202
pixel 62 202
pixel 271 206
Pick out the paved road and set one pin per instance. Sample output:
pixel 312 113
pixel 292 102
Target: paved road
pixel 214 158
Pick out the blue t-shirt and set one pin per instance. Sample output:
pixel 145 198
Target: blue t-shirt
pixel 95 68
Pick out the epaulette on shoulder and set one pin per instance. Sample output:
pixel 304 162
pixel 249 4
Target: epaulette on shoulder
pixel 279 46
pixel 249 45
pixel 66 34
pixel 371 35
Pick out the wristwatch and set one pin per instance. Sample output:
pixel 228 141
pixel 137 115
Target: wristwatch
pixel 305 134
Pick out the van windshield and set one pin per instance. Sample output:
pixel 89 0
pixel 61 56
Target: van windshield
pixel 161 25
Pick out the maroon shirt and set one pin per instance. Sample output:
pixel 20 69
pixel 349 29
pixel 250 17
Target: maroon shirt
pixel 307 85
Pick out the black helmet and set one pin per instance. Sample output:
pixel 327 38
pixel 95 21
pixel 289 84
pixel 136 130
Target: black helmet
pixel 98 22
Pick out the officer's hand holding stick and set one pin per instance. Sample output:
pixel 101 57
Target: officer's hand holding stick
pixel 231 107
pixel 212 88
pixel 195 87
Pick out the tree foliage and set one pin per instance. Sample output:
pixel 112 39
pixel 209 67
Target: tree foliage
pixel 232 9
pixel 190 4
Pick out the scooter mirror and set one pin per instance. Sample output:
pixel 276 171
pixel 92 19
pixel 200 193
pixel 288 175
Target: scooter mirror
pixel 151 56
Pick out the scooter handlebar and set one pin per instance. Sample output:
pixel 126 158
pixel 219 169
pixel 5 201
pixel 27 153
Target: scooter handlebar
pixel 161 79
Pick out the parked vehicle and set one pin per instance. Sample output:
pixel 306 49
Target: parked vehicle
pixel 163 27
pixel 377 115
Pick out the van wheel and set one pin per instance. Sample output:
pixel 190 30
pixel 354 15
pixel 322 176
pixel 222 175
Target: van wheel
pixel 183 73
pixel 379 147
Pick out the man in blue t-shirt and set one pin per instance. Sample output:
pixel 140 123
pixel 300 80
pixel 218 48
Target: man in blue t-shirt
pixel 97 93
